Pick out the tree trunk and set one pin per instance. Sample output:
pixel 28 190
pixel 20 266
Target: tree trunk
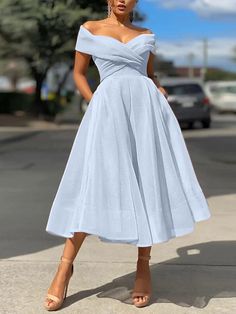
pixel 38 108
pixel 38 100
pixel 61 84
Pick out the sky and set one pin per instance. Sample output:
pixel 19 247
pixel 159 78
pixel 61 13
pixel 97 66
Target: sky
pixel 182 25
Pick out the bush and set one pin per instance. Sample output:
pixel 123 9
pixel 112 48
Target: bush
pixel 13 101
pixel 50 108
pixel 17 101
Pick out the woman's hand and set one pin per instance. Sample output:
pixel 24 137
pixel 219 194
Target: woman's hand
pixel 163 91
pixel 152 75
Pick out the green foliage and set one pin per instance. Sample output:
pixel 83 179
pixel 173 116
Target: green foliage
pixel 13 101
pixel 39 32
pixel 43 32
pixel 217 74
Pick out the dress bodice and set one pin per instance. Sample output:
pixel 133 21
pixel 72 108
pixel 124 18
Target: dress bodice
pixel 113 57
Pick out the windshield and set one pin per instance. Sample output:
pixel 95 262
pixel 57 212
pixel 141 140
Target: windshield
pixel 231 89
pixel 183 89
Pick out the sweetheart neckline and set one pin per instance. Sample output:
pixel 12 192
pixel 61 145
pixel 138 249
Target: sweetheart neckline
pixel 117 40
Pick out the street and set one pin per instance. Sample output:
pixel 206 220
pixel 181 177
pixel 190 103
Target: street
pixel 32 162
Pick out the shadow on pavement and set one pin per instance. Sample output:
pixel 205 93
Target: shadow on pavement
pixel 174 282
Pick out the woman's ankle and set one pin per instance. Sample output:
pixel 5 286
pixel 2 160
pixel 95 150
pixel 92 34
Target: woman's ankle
pixel 64 269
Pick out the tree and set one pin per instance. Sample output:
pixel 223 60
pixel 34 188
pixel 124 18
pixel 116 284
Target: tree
pixel 220 74
pixel 41 33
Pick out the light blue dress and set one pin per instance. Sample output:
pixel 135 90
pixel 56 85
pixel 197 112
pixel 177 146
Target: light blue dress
pixel 129 177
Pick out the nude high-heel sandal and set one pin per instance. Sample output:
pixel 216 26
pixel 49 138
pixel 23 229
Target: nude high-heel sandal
pixel 57 302
pixel 146 294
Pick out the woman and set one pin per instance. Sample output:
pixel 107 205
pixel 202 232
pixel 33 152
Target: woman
pixel 129 178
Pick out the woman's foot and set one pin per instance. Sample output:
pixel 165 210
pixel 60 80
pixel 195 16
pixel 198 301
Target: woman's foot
pixel 142 287
pixel 57 287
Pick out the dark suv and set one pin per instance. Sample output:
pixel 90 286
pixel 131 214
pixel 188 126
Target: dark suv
pixel 188 101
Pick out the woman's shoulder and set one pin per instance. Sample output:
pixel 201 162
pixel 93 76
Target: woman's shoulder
pixel 143 30
pixel 95 24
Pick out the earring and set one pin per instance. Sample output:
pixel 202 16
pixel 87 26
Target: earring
pixel 108 9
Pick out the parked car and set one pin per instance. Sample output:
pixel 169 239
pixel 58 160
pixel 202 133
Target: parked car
pixel 222 95
pixel 188 101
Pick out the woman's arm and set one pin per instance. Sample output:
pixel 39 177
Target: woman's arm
pixel 150 73
pixel 79 73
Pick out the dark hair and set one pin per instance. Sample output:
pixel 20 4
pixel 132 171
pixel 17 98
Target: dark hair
pixel 131 16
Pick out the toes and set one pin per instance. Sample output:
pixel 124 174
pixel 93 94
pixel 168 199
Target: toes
pixel 140 299
pixel 137 299
pixel 49 302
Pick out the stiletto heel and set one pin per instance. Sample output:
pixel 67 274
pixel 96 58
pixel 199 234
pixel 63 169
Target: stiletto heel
pixel 57 302
pixel 146 294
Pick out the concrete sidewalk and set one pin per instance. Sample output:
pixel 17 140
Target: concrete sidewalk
pixel 10 122
pixel 25 121
pixel 195 273
pixel 14 128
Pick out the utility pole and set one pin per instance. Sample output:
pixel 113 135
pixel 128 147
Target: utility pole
pixel 190 66
pixel 205 59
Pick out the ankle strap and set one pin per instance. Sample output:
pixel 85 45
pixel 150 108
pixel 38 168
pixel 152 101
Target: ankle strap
pixel 67 260
pixel 144 257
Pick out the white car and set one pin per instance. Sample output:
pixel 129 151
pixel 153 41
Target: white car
pixel 222 95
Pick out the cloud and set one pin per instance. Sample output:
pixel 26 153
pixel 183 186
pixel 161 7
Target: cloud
pixel 206 8
pixel 220 52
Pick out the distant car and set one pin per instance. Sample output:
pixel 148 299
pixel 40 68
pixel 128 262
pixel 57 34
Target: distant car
pixel 26 85
pixel 222 95
pixel 188 101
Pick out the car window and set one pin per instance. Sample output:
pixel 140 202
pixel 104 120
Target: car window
pixel 223 89
pixel 183 89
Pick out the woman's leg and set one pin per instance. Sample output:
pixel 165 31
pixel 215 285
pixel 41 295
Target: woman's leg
pixel 71 248
pixel 144 250
pixel 143 275
pixel 73 245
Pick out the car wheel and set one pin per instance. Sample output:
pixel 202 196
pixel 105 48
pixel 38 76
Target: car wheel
pixel 206 123
pixel 190 125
